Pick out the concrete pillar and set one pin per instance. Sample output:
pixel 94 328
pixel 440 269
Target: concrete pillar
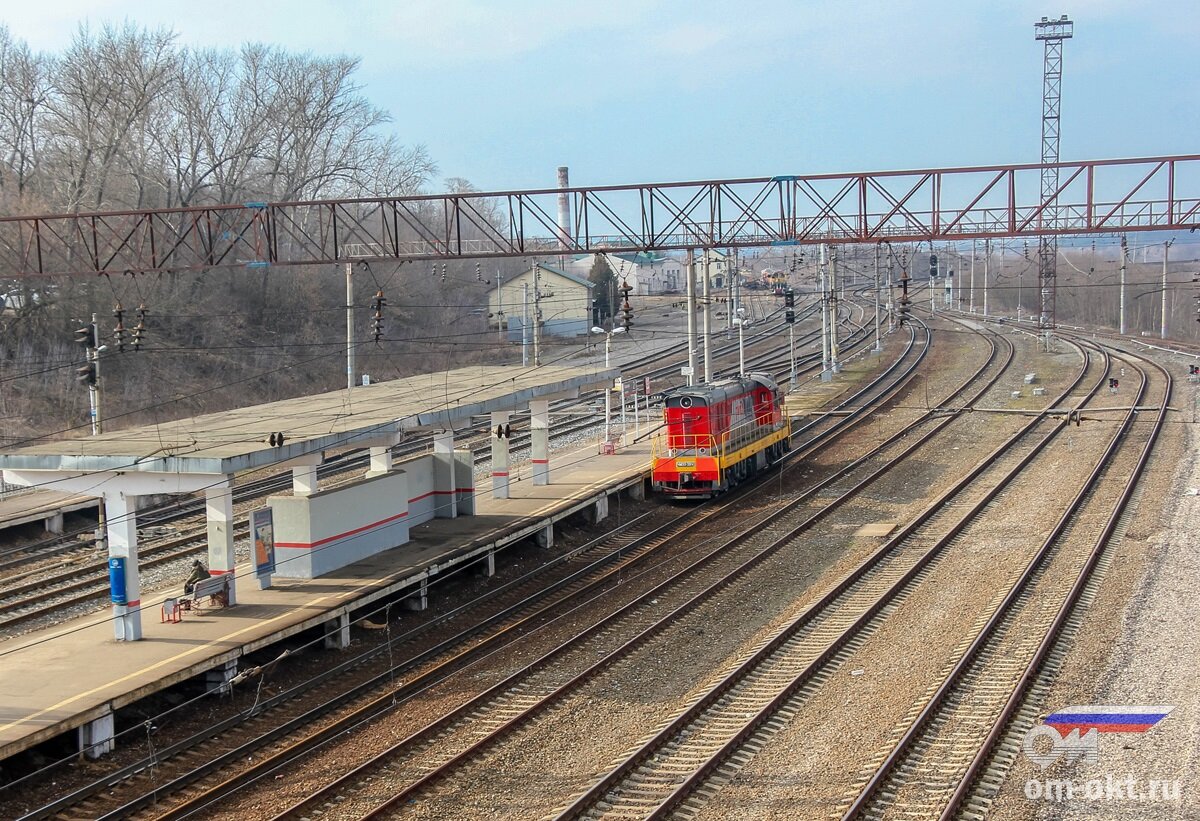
pixel 499 456
pixel 120 518
pixel 218 508
pixel 487 565
pixel 464 481
pixel 54 523
pixel 539 433
pixel 381 461
pixel 217 679
pixel 337 632
pixel 420 599
pixel 637 492
pixel 445 498
pixel 545 537
pixel 597 512
pixel 97 737
pixel 304 480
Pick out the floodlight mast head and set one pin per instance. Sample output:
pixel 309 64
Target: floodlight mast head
pixel 1060 29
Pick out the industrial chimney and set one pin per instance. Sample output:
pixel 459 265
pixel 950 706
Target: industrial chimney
pixel 564 210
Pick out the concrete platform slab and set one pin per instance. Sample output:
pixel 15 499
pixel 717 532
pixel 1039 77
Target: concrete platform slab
pixel 56 680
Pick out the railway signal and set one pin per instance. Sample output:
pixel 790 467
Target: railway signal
pixel 86 375
pixel 904 310
pixel 85 337
pixel 933 266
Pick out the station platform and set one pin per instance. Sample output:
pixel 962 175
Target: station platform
pixel 76 673
pixel 45 506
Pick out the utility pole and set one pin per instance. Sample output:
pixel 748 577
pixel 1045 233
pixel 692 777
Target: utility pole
pixel 524 323
pixel 1124 260
pixel 349 325
pixel 971 304
pixel 735 291
pixel 500 323
pixel 706 329
pixel 834 284
pixel 1166 249
pixel 690 288
pixel 987 257
pixel 537 315
pixel 826 373
pixel 878 343
pixel 1052 33
pixel 88 337
pixel 891 302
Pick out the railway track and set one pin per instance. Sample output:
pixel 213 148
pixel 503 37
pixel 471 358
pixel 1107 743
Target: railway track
pixel 681 764
pixel 83 579
pixel 946 749
pixel 623 550
pixel 516 703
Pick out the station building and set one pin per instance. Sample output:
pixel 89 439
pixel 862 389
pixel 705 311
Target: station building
pixel 565 302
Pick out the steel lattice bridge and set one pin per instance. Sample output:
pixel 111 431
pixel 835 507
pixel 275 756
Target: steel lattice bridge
pixel 1098 196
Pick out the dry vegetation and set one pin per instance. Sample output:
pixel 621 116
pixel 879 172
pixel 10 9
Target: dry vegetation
pixel 125 118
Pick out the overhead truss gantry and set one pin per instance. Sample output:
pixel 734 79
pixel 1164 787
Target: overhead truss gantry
pixel 1142 194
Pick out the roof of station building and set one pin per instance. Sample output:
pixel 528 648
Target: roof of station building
pixel 240 439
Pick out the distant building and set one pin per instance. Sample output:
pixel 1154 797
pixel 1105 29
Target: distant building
pixel 646 273
pixel 566 302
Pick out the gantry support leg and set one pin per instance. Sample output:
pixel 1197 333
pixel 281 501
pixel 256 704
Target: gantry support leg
pixel 218 507
pixel 499 455
pixel 539 433
pixel 120 517
pixel 444 493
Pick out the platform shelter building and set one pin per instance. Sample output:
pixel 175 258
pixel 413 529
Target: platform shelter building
pixel 316 530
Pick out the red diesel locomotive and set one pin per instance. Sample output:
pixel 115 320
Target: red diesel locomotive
pixel 718 435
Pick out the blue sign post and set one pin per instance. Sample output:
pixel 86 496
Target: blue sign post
pixel 116 579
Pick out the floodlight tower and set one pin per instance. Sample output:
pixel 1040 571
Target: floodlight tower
pixel 1052 33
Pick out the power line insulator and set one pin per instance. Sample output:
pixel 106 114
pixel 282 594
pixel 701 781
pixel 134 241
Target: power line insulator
pixel 119 327
pixel 139 330
pixel 377 320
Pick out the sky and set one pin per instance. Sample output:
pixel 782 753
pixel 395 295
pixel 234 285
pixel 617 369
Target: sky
pixel 501 92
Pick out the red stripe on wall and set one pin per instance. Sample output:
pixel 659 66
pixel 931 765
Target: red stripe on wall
pixel 310 545
pixel 134 603
pixel 540 461
pixel 215 572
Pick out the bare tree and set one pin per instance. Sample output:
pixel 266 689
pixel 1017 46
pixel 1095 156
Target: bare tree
pixel 26 89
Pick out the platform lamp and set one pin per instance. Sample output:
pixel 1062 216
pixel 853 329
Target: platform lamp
pixel 608 335
pixel 741 322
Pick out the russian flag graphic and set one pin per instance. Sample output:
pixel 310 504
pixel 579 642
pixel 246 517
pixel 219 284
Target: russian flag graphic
pixel 1107 718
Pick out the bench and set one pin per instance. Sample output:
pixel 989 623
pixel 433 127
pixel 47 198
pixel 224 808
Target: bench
pixel 214 588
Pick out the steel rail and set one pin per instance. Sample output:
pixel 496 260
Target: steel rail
pixel 89 584
pixel 887 769
pixel 839 425
pixel 750 665
pixel 475 706
pixel 542 702
pixel 1064 614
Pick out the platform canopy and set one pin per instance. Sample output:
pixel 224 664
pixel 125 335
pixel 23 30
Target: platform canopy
pixel 237 440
